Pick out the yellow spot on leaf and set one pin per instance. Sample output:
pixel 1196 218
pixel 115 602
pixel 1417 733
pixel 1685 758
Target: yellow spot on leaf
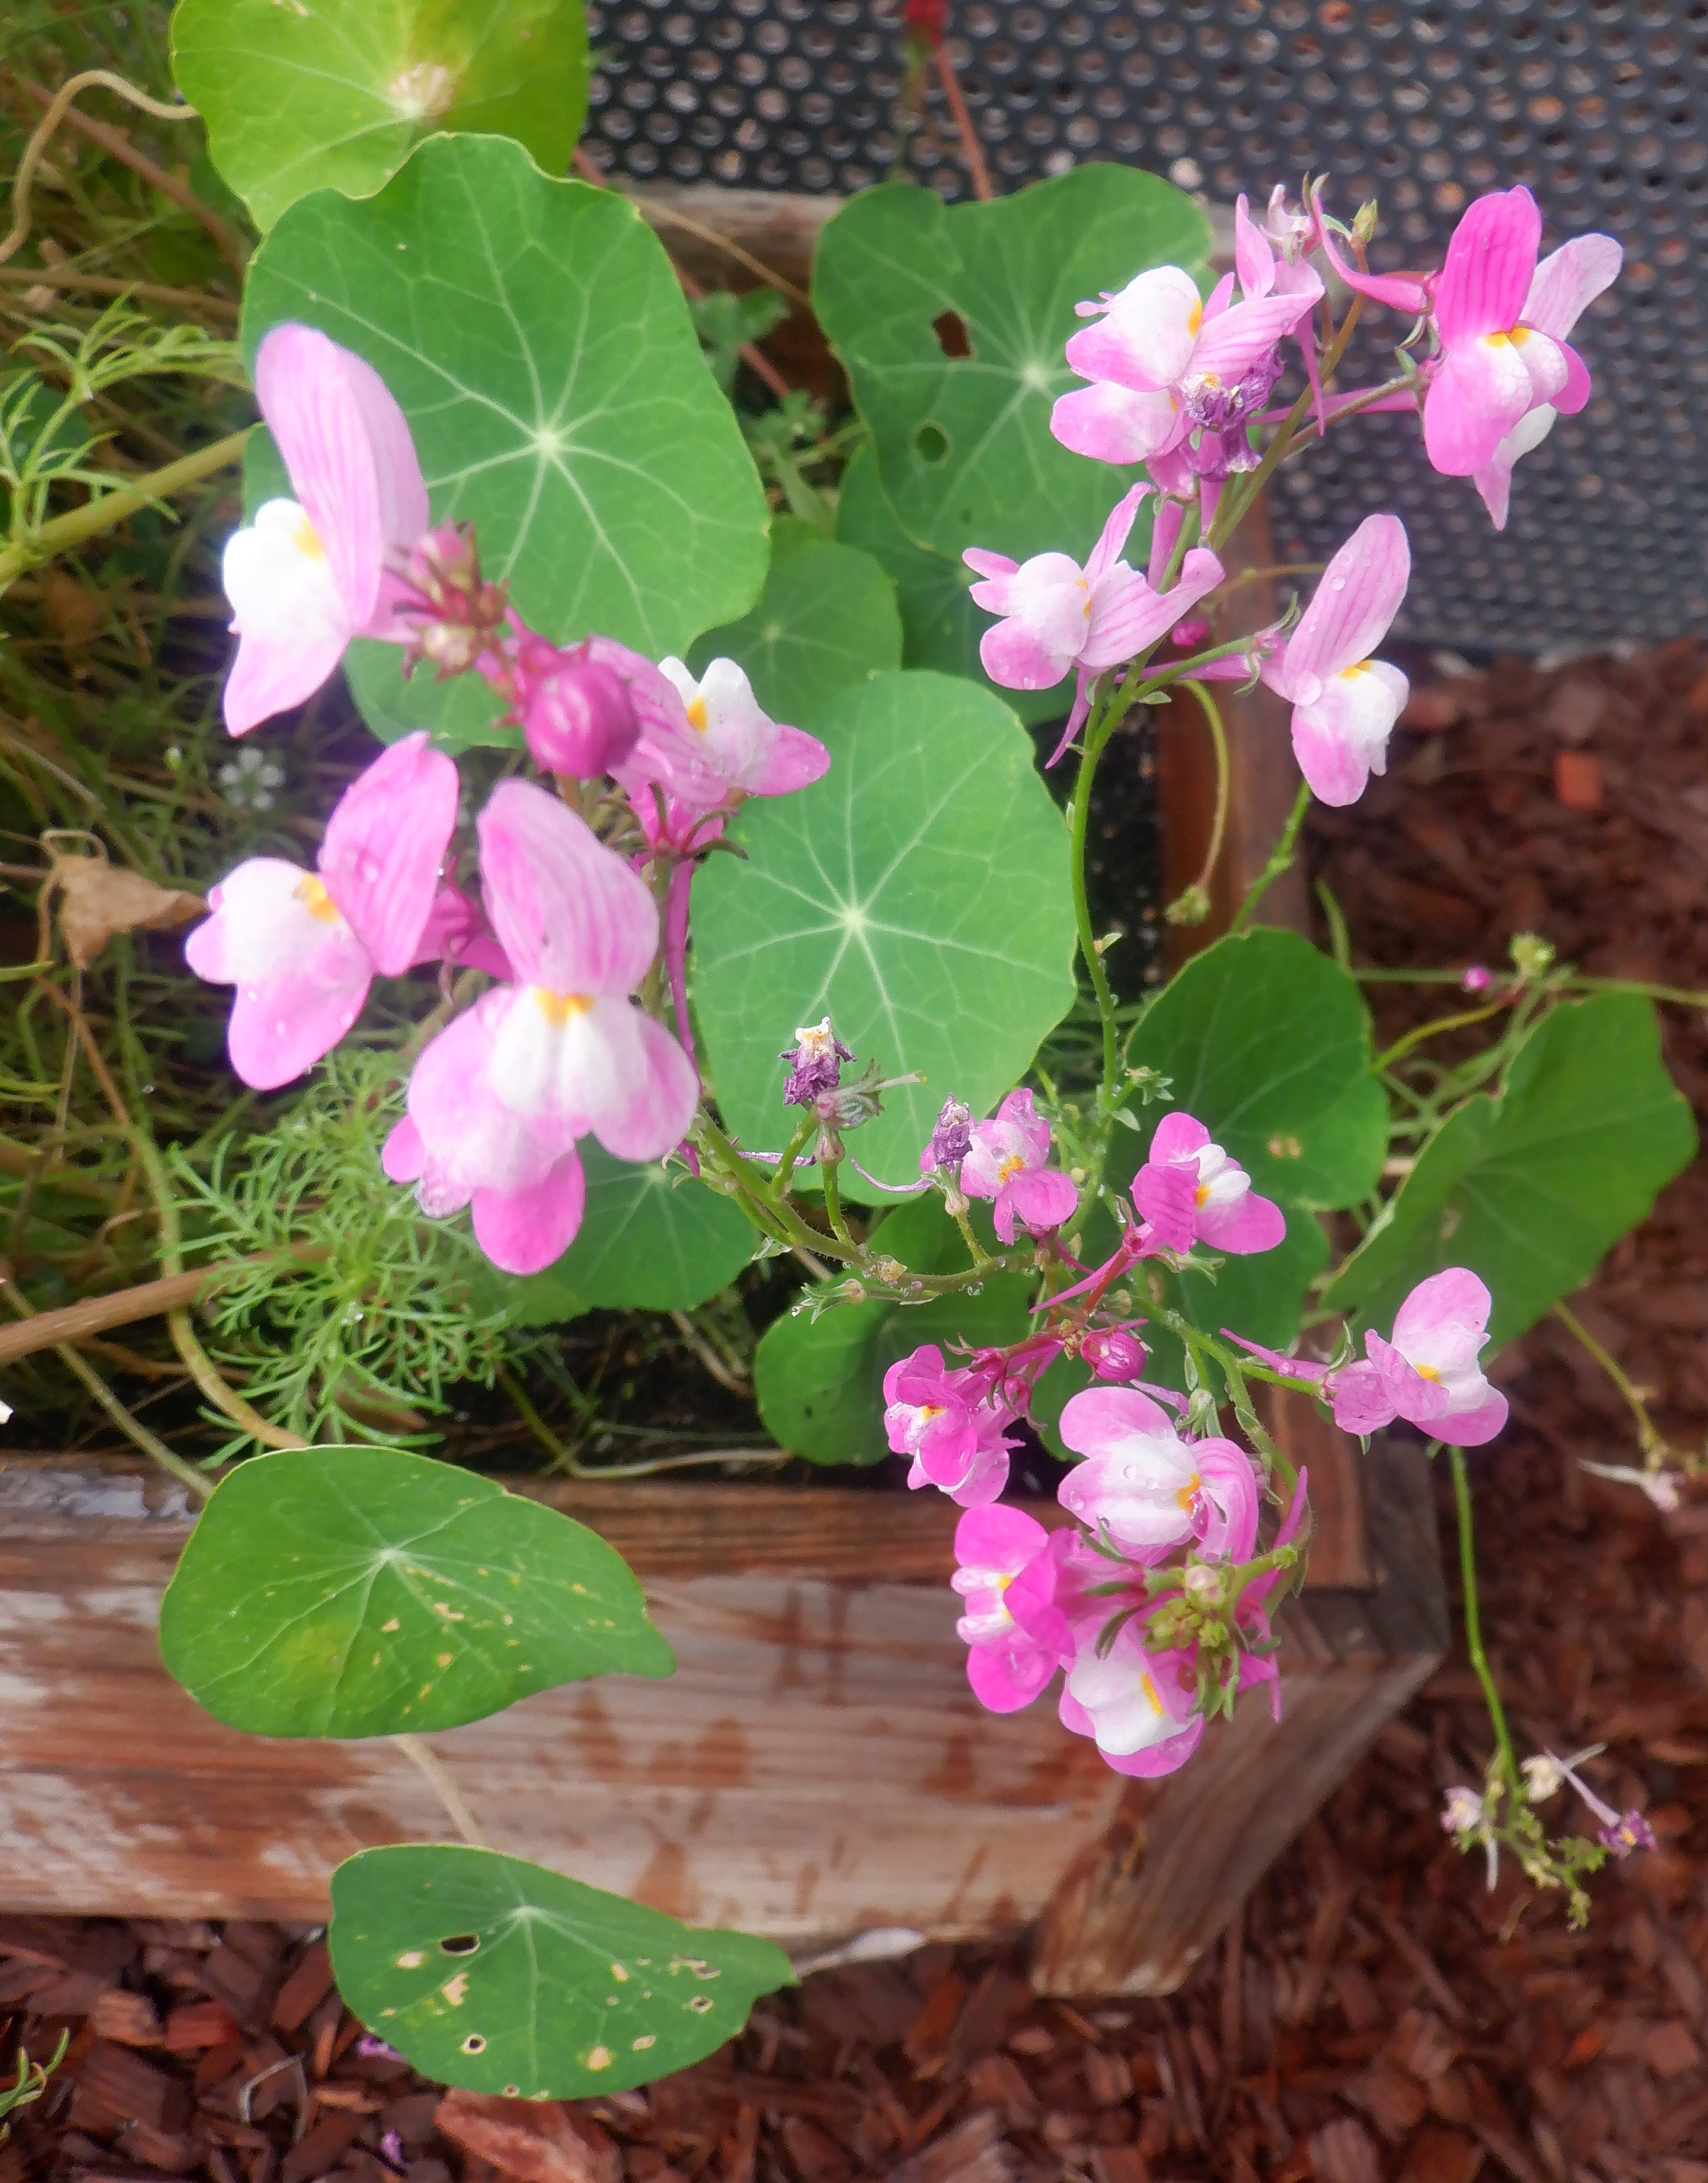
pixel 411 1960
pixel 646 2039
pixel 455 1990
pixel 387 1627
pixel 601 2057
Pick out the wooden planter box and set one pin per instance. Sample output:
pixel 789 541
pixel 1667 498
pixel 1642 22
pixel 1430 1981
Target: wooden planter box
pixel 817 1768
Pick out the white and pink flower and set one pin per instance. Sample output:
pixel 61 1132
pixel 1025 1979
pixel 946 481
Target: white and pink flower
pixel 1145 1489
pixel 1191 1190
pixel 1140 1708
pixel 1428 1374
pixel 1006 1163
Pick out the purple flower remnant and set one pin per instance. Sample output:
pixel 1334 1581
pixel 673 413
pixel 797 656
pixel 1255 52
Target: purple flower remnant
pixel 1221 413
pixel 1629 1831
pixel 951 1139
pixel 815 1065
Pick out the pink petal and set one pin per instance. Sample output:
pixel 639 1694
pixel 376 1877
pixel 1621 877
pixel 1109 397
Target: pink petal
pixel 995 566
pixel 467 1129
pixel 1146 339
pixel 1244 335
pixel 1474 1428
pixel 1016 657
pixel 1128 617
pixel 1362 1401
pixel 1253 1224
pixel 385 842
pixel 1478 395
pixel 403 1156
pixel 1114 424
pixel 1019 1111
pixel 1108 550
pixel 1356 600
pixel 308 396
pixel 1229 1486
pixel 291 620
pixel 1568 280
pixel 998 1538
pixel 795 760
pixel 1166 1197
pixel 1041 1198
pixel 1342 738
pixel 1100 1420
pixel 1491 261
pixel 1578 388
pixel 569 911
pixel 1401 291
pixel 1006 1678
pixel 1254 259
pixel 1177 1134
pixel 1157 1759
pixel 646 1114
pixel 1447 1317
pixel 1165 529
pixel 526 1231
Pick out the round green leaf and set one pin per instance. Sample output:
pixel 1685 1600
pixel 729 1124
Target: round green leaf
pixel 825 620
pixel 1532 1188
pixel 919 895
pixel 941 626
pixel 819 1382
pixel 363 1591
pixel 650 1240
pixel 962 440
pixel 536 337
pixel 1267 1042
pixel 337 93
pixel 491 1972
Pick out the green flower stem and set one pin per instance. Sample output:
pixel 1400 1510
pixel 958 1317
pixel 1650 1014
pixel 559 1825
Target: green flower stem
pixel 1473 1620
pixel 1402 1047
pixel 1194 906
pixel 773 1218
pixel 1235 502
pixel 791 1153
pixel 1235 1373
pixel 1280 860
pixel 1649 1438
pixel 982 1260
pixel 1079 821
pixel 108 509
pixel 833 1202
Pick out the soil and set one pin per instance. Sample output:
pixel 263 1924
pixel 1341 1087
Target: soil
pixel 1376 2015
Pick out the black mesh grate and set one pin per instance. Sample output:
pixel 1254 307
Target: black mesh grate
pixel 1601 106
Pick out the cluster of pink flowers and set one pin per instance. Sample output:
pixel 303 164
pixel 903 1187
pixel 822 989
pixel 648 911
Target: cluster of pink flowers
pixel 1182 384
pixel 559 1048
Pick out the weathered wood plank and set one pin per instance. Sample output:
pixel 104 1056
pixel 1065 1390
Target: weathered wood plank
pixel 1138 1908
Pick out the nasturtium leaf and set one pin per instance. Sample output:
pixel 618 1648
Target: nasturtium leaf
pixel 500 1976
pixel 941 626
pixel 819 1383
pixel 365 1592
pixel 952 321
pixel 336 93
pixel 1531 1188
pixel 536 337
pixel 919 895
pixel 650 1240
pixel 825 620
pixel 1267 1042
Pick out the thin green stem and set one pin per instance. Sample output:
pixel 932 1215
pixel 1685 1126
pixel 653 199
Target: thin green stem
pixel 1079 824
pixel 108 509
pixel 1401 1047
pixel 1193 907
pixel 1649 1438
pixel 1280 860
pixel 833 1202
pixel 1473 1619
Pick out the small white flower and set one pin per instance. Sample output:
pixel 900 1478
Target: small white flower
pixel 1661 1486
pixel 249 781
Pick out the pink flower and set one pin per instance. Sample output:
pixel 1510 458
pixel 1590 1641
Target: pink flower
pixel 708 743
pixel 457 932
pixel 1566 284
pixel 1003 1552
pixel 1157 356
pixel 1428 1374
pixel 1140 1708
pixel 498 1099
pixel 1189 1190
pixel 302 947
pixel 1146 1488
pixel 1006 1163
pixel 950 1424
pixel 311 573
pixel 1344 704
pixel 1057 615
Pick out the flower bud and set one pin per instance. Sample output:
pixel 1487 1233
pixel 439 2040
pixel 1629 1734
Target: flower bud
pixel 1113 1354
pixel 1476 979
pixel 1203 1584
pixel 577 714
pixel 1544 1777
pixel 1461 1811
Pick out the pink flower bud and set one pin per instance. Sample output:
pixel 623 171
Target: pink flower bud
pixel 1190 634
pixel 577 713
pixel 1113 1354
pixel 1476 979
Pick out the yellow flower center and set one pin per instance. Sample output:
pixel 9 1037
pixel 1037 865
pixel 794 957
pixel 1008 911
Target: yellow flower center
pixel 696 712
pixel 1358 667
pixel 311 894
pixel 1148 1685
pixel 1187 1493
pixel 1194 320
pixel 1009 1168
pixel 1200 1197
pixel 558 1008
pixel 307 540
pixel 1428 1372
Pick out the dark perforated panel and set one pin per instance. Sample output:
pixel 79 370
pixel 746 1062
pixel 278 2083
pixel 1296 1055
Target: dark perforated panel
pixel 1601 106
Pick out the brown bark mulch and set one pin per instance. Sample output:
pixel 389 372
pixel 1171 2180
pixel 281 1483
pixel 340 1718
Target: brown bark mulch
pixel 1376 2015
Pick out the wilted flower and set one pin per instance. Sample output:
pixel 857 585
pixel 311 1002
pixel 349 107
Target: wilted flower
pixel 815 1065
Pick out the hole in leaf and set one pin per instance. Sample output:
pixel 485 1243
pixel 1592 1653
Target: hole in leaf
pixel 475 2043
pixel 701 2003
pixel 952 337
pixel 932 443
pixel 460 1944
